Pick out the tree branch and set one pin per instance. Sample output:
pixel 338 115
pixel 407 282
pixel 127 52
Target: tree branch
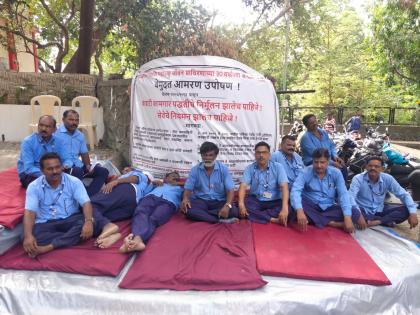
pixel 30 39
pixel 72 13
pixel 53 17
pixel 289 5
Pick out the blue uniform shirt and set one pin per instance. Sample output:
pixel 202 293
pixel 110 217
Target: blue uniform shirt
pixel 211 187
pixel 143 187
pixel 265 184
pixel 322 192
pixel 74 144
pixel 292 167
pixel 170 193
pixel 33 148
pixel 309 143
pixel 371 196
pixel 59 203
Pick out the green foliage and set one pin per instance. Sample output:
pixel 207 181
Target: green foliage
pixel 332 52
pixel 396 40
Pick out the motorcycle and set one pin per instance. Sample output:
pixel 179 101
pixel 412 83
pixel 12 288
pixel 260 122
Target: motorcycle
pixel 372 145
pixel 405 171
pixel 345 145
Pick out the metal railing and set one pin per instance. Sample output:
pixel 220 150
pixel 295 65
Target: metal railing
pixel 372 115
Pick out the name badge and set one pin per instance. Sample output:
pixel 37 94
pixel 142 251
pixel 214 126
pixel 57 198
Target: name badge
pixel 267 194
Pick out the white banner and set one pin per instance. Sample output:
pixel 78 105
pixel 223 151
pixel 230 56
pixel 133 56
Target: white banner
pixel 177 103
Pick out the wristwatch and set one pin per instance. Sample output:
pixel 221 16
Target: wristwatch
pixel 228 205
pixel 90 219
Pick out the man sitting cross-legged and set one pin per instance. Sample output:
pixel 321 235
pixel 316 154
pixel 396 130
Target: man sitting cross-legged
pixel 314 195
pixel 211 189
pixel 268 198
pixel 117 200
pixel 52 217
pixel 368 191
pixel 154 210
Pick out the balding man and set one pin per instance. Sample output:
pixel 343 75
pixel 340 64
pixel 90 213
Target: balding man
pixel 35 146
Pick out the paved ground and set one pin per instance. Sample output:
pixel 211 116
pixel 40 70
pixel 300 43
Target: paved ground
pixel 9 152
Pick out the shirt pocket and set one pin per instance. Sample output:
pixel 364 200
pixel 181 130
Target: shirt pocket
pixel 69 206
pixel 219 187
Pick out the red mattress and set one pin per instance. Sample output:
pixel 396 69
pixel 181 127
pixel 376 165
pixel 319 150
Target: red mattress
pixel 327 254
pixel 84 258
pixel 12 198
pixel 186 255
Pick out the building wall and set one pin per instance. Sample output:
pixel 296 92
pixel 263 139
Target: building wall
pixel 25 60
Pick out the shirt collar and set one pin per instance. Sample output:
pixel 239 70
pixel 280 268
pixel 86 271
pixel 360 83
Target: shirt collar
pixel 40 140
pixel 366 178
pixel 320 131
pixel 63 129
pixel 285 156
pixel 327 172
pixel 44 182
pixel 268 165
pixel 216 165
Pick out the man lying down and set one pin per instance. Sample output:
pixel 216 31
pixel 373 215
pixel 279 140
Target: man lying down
pixel 58 212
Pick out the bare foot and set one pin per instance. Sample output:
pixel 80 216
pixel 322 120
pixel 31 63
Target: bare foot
pixel 132 244
pixel 43 250
pixel 275 220
pixel 124 246
pixel 108 241
pixel 108 229
pixel 373 222
pixel 336 224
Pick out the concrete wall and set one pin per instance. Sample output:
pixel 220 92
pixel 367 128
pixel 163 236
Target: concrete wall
pixel 114 98
pixel 15 120
pixel 19 88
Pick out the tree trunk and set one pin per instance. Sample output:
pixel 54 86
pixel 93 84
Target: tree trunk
pixel 85 37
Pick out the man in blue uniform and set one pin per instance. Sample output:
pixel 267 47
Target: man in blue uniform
pixel 118 199
pixel 154 210
pixel 315 138
pixel 315 193
pixel 36 145
pixel 209 189
pixel 291 161
pixel 75 144
pixel 268 190
pixel 368 191
pixel 52 217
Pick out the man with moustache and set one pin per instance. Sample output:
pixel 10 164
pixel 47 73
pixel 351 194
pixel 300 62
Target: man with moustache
pixel 36 145
pixel 368 191
pixel 75 144
pixel 291 161
pixel 52 217
pixel 209 189
pixel 315 193
pixel 315 138
pixel 268 196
